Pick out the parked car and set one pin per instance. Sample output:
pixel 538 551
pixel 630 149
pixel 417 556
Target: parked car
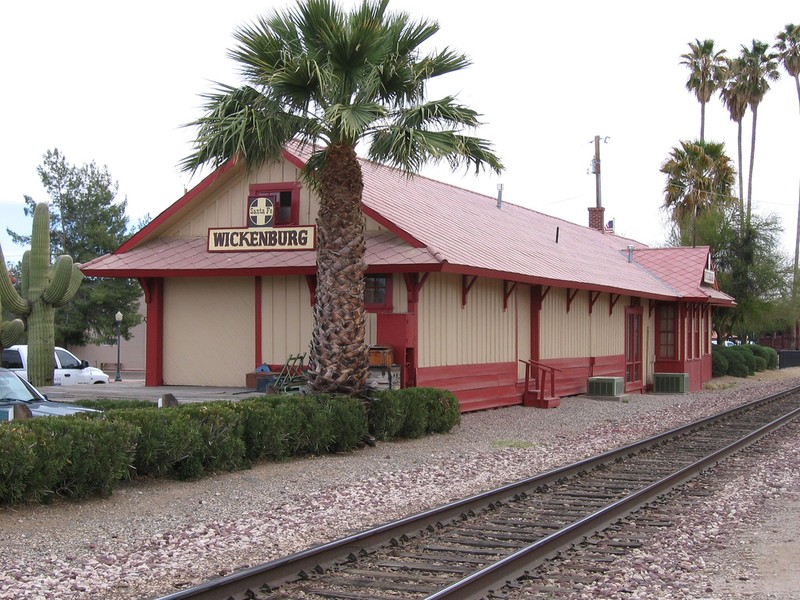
pixel 69 369
pixel 15 390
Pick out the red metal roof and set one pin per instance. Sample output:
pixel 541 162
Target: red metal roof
pixel 433 226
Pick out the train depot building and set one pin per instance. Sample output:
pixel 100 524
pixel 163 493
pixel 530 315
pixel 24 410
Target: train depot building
pixel 498 303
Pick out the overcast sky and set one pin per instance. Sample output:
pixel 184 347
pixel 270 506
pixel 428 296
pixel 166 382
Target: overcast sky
pixel 114 82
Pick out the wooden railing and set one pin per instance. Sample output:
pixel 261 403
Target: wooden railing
pixel 539 397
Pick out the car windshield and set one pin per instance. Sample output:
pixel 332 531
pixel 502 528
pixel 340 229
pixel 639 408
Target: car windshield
pixel 13 388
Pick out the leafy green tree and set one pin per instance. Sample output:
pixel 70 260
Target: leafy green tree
pixel 86 221
pixel 752 269
pixel 700 176
pixel 758 68
pixel 706 74
pixel 334 80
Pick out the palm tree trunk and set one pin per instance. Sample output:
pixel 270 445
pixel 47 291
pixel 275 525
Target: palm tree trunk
pixel 752 162
pixel 338 362
pixel 797 85
pixel 702 121
pixel 741 177
pixel 794 274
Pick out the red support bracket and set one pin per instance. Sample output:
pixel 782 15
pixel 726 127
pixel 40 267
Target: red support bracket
pixel 570 297
pixel 311 281
pixel 593 296
pixel 414 284
pixel 613 298
pixel 466 285
pixel 508 289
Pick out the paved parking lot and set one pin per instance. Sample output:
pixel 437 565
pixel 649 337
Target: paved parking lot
pixel 134 388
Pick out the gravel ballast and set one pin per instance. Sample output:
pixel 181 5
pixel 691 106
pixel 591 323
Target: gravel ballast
pixel 153 538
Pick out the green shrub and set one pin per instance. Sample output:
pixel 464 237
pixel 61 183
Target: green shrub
pixel 719 364
pixel 761 364
pixel 412 413
pixel 90 454
pixel 348 419
pixel 770 355
pixel 263 432
pixel 444 412
pixel 106 404
pixel 221 431
pixel 737 365
pixel 747 355
pixel 386 413
pixel 18 463
pixel 169 443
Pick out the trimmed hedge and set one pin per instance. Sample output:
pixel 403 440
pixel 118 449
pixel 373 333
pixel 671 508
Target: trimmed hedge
pixel 742 360
pixel 85 455
pixel 412 413
pixel 72 457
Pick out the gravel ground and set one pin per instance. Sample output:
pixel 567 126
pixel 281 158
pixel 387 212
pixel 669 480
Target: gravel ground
pixel 152 538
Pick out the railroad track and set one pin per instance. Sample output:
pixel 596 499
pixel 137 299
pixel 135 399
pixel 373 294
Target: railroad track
pixel 468 548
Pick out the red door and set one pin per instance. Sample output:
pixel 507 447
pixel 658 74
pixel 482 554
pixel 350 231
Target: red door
pixel 633 348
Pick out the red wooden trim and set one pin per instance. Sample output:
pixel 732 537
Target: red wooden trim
pixel 477 386
pixel 613 298
pixel 154 355
pixel 544 293
pixel 508 289
pixel 258 320
pixel 570 297
pixel 187 198
pixel 593 296
pixel 311 282
pixel 295 160
pixel 389 225
pixel 466 285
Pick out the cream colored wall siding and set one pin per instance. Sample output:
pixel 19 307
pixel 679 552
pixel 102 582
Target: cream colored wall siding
pixel 399 294
pixel 522 306
pixel 482 332
pixel 227 206
pixel 576 333
pixel 607 331
pixel 287 318
pixel 208 331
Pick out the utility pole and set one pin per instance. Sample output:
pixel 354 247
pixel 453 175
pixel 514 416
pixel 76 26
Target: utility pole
pixel 596 168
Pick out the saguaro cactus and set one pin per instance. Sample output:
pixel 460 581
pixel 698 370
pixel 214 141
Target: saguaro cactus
pixel 44 288
pixel 10 331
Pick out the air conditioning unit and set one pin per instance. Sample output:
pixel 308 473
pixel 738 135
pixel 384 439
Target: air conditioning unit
pixel 670 383
pixel 605 386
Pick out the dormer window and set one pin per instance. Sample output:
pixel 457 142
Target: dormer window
pixel 285 199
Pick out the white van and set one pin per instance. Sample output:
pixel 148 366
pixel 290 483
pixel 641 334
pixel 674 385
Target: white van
pixel 69 370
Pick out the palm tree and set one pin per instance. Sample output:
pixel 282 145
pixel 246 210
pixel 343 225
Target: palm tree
pixel 733 97
pixel 788 46
pixel 759 67
pixel 700 177
pixel 706 74
pixel 333 80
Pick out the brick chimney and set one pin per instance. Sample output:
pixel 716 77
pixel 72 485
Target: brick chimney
pixel 597 218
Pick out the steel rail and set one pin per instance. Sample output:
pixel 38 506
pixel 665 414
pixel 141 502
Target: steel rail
pixel 275 573
pixel 476 585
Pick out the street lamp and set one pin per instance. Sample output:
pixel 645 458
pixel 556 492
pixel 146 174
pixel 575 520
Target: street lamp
pixel 118 318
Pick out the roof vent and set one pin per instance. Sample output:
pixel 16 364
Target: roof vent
pixel 630 253
pixel 499 195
